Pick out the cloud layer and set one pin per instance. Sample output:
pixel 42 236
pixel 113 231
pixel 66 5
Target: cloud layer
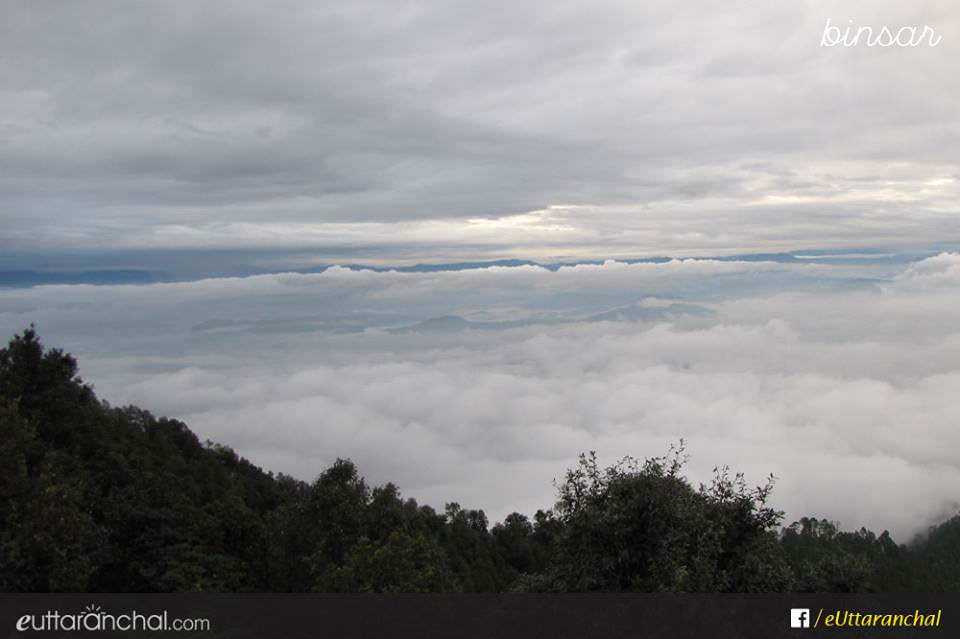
pixel 563 128
pixel 841 380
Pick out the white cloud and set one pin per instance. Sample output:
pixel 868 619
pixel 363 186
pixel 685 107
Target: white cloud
pixel 939 272
pixel 846 392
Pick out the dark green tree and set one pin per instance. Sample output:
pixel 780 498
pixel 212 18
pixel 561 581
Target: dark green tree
pixel 402 563
pixel 642 527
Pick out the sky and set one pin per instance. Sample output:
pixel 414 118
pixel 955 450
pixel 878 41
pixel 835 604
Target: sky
pixel 187 190
pixel 396 130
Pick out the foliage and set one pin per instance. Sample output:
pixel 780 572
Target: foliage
pixel 100 498
pixel 643 527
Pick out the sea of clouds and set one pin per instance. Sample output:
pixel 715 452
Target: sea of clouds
pixel 481 386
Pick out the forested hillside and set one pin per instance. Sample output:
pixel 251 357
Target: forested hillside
pixel 99 498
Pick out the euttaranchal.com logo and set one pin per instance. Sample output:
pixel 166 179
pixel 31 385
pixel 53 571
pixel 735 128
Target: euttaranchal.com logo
pixel 94 619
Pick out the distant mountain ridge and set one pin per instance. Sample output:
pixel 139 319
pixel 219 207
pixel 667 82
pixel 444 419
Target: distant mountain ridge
pixel 631 313
pixel 28 277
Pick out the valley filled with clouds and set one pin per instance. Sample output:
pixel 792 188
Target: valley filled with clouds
pixel 483 385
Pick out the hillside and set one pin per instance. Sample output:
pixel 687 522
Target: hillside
pixel 99 498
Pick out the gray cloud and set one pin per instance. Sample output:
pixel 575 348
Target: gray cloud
pixel 242 125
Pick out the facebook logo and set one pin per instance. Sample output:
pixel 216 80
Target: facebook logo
pixel 799 617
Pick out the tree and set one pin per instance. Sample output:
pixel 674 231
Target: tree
pixel 59 543
pixel 642 527
pixel 334 514
pixel 403 563
pixel 44 386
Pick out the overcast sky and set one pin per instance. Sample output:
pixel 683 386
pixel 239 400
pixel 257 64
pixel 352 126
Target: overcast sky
pixel 426 130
